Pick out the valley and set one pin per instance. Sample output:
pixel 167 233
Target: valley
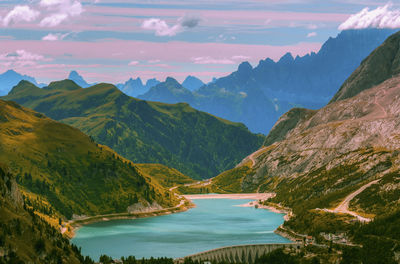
pixel 182 234
pixel 199 133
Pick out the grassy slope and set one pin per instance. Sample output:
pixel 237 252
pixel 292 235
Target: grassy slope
pixel 196 143
pixel 75 175
pixel 26 237
pixel 165 176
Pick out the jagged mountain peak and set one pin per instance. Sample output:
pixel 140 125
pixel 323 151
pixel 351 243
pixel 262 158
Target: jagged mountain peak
pixel 245 67
pixel 172 80
pixel 192 83
pixel 11 78
pixel 78 79
pixel 287 58
pixel 381 64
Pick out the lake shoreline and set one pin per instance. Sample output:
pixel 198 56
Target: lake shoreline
pixel 256 197
pixel 78 223
pixel 234 196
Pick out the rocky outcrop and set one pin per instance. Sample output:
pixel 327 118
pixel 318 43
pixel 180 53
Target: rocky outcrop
pixel 286 123
pixel 316 158
pixel 340 146
pixel 382 64
pixel 144 207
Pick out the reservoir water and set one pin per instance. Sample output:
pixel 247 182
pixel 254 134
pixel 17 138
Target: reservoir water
pixel 211 224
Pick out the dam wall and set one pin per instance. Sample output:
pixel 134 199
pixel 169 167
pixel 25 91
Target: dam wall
pixel 240 254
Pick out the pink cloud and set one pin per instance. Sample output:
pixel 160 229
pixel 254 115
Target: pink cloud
pixel 114 56
pixel 161 27
pixel 247 15
pixel 169 51
pixel 133 63
pixel 20 13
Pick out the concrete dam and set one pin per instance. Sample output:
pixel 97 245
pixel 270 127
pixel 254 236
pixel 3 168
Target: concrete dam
pixel 239 254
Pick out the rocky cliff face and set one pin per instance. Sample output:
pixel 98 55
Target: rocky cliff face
pixel 258 96
pixel 314 159
pixel 383 63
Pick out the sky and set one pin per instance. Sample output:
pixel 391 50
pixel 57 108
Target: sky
pixel 114 40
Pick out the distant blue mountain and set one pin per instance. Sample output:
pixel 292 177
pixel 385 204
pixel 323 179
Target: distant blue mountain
pixel 170 92
pixel 192 83
pixel 78 79
pixel 11 78
pixel 258 96
pixel 135 87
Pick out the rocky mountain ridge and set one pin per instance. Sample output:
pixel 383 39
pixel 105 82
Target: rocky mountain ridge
pixel 258 96
pixel 313 159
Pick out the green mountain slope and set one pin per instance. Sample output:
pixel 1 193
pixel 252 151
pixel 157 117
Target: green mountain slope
pixel 24 236
pixel 341 163
pixel 165 176
pixel 68 169
pixel 196 143
pixel 380 65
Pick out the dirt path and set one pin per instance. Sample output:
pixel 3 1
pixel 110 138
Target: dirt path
pixel 343 207
pixel 255 155
pixel 384 113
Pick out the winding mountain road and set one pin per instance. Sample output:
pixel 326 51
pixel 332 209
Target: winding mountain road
pixel 255 155
pixel 343 207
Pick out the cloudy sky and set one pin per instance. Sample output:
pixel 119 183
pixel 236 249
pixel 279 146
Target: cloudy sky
pixel 113 40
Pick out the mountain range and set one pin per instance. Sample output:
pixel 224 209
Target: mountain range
pixel 11 78
pixel 192 83
pixel 258 96
pixel 68 169
pixel 135 87
pixel 78 79
pixel 196 143
pixel 337 164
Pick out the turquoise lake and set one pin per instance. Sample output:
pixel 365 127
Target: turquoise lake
pixel 211 224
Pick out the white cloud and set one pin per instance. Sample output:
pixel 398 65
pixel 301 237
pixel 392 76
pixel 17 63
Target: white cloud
pixel 133 63
pixel 161 27
pixel 21 58
pixel 53 20
pixel 61 10
pixel 311 34
pixel 240 57
pixel 210 60
pixel 20 13
pixel 51 2
pixel 312 26
pixel 154 61
pixel 381 17
pixel 55 37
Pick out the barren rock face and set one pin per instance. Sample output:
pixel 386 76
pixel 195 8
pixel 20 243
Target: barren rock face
pixel 370 120
pixel 320 156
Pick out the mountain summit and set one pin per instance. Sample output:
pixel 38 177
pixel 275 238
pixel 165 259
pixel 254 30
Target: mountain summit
pixel 78 79
pixel 196 143
pixel 192 83
pixel 313 160
pixel 11 78
pixel 258 96
pixel 135 87
pixel 382 64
